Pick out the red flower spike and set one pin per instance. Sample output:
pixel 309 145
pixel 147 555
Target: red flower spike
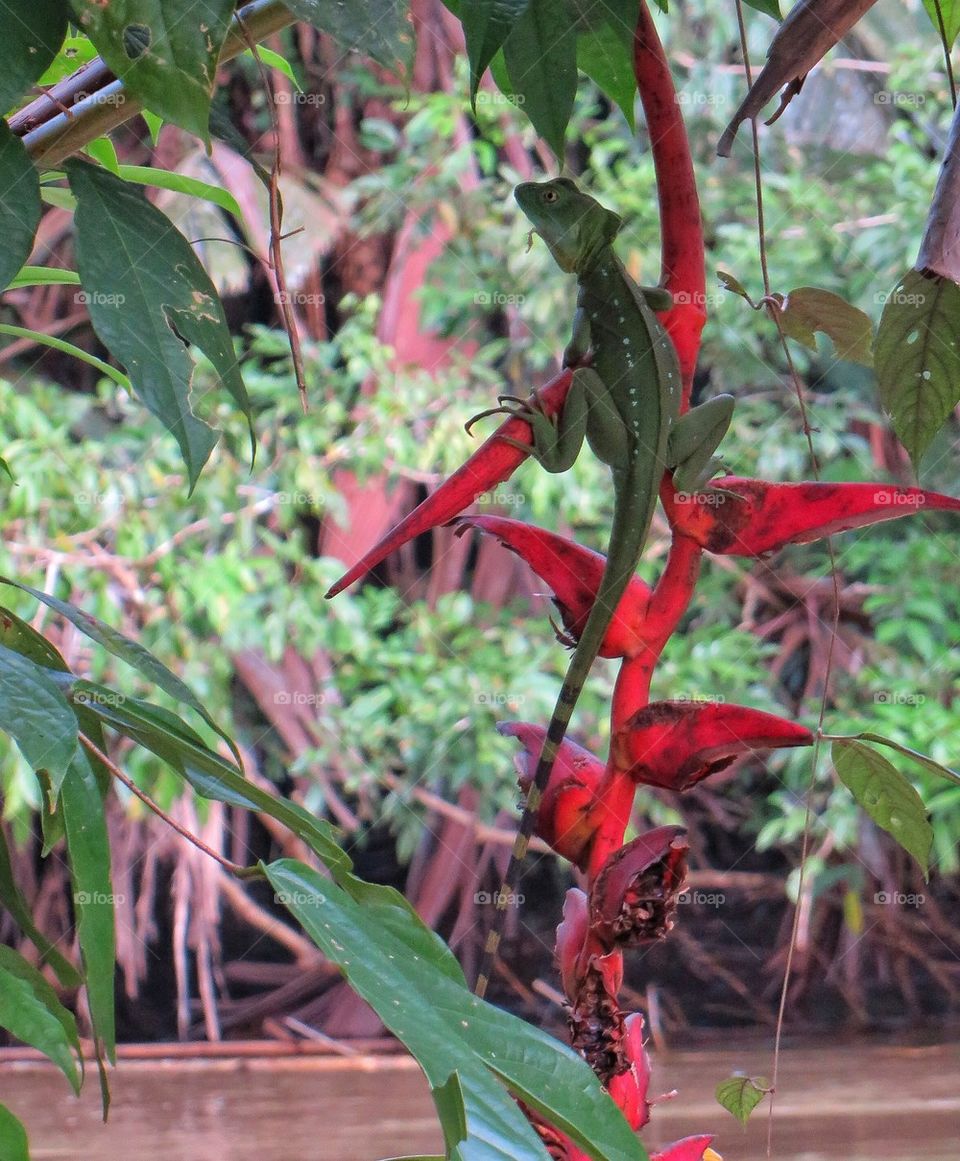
pixel 741 517
pixel 634 898
pixel 492 463
pixel 563 820
pixel 595 1021
pixel 689 1149
pixel 574 573
pixel 629 1088
pixel 676 744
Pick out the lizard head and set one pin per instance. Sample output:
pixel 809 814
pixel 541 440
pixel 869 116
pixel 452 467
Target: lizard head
pixel 574 225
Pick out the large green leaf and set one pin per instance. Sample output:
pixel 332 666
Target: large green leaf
pixel 950 12
pixel 163 734
pixel 12 898
pixel 35 713
pixel 19 204
pixel 486 25
pixel 88 851
pixel 605 53
pixel 450 1031
pixel 30 1011
pixel 13 1137
pixel 541 58
pixel 917 358
pixel 147 292
pixel 31 35
pixel 164 51
pixel 379 29
pixel 886 795
pixel 132 652
pixel 929 764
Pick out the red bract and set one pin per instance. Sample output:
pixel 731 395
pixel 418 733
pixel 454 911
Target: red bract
pixel 571 940
pixel 574 573
pixel 563 820
pixel 629 1088
pixel 675 744
pixel 634 897
pixel 689 1149
pixel 492 463
pixel 741 517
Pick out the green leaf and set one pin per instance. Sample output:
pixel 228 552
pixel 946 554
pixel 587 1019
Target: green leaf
pixel 146 288
pixel 605 53
pixel 30 1011
pixel 740 1095
pixel 922 759
pixel 88 851
pixel 31 35
pixel 379 29
pixel 165 51
pixel 450 1031
pixel 13 1137
pixel 917 358
pixel 808 309
pixel 22 638
pixel 34 712
pixel 541 58
pixel 768 7
pixel 274 60
pixel 74 52
pixel 950 12
pixel 68 349
pixel 103 151
pixel 191 186
pixel 163 734
pixel 486 25
pixel 45 276
pixel 728 282
pixel 887 796
pixel 132 652
pixel 19 203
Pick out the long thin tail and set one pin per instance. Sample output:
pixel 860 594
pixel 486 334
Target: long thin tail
pixel 627 538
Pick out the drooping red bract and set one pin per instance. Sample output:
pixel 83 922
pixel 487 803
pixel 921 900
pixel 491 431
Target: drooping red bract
pixel 744 517
pixel 689 1149
pixel 676 744
pixel 633 899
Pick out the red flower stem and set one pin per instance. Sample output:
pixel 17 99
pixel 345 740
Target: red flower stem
pixel 612 813
pixel 682 246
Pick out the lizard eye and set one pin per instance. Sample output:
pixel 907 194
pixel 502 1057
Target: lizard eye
pixel 550 195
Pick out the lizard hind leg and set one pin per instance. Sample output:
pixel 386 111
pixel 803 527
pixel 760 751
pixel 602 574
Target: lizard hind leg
pixel 693 440
pixel 556 441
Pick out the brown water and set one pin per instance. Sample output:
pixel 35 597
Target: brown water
pixel 855 1104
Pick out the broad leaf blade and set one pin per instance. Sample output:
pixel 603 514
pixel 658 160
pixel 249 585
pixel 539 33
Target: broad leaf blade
pixel 31 35
pixel 486 25
pixel 88 850
pixel 950 12
pixel 541 58
pixel 19 204
pixel 740 1095
pixel 145 289
pixel 30 1011
pixel 378 29
pixel 917 358
pixel 34 712
pixel 923 760
pixel 605 53
pixel 887 796
pixel 809 309
pixel 132 652
pixel 166 51
pixel 13 1137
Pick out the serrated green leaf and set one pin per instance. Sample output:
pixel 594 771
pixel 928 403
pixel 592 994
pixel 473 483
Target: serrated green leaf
pixel 950 13
pixel 132 652
pixel 35 713
pixel 19 203
pixel 486 25
pixel 88 852
pixel 808 309
pixel 450 1031
pixel 31 35
pixel 887 796
pixel 917 358
pixel 165 51
pixel 13 1137
pixel 147 292
pixel 923 760
pixel 541 59
pixel 30 1011
pixel 740 1095
pixel 378 29
pixel 605 53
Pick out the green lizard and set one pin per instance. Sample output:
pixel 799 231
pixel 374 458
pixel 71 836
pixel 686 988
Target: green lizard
pixel 626 403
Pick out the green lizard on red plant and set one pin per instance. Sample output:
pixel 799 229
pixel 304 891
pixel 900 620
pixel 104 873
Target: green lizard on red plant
pixel 626 403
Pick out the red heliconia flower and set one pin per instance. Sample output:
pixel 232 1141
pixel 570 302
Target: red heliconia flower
pixel 689 1149
pixel 563 819
pixel 675 744
pixel 634 897
pixel 492 463
pixel 574 573
pixel 572 940
pixel 743 517
pixel 629 1088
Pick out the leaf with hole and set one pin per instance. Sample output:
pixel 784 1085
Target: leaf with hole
pixel 808 309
